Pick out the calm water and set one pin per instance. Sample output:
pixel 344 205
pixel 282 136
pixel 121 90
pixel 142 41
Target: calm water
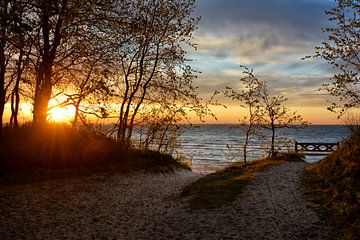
pixel 208 143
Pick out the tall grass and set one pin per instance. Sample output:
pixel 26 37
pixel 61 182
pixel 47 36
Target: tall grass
pixel 335 184
pixel 57 146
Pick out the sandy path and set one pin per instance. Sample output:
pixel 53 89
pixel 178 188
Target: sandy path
pixel 273 208
pixel 148 207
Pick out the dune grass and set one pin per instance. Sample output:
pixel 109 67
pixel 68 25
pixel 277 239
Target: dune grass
pixel 334 183
pixel 223 186
pixel 34 153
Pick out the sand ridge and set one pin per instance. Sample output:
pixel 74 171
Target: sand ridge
pixel 149 206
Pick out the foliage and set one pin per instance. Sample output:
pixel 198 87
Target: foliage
pixel 160 129
pixel 289 156
pixel 264 110
pixel 54 147
pixel 115 59
pixel 154 72
pixel 223 186
pixel 14 55
pixel 250 98
pixel 275 115
pixel 342 51
pixel 109 59
pixel 334 183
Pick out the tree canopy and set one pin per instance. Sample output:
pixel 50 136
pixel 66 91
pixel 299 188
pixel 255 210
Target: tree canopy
pixel 110 59
pixel 342 51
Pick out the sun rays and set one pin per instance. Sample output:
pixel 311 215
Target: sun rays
pixel 61 114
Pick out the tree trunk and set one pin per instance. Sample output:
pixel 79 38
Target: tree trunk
pixel 245 152
pixel 2 85
pixel 4 6
pixel 272 147
pixel 44 84
pixel 76 115
pixel 245 146
pixel 41 102
pixel 42 94
pixel 15 96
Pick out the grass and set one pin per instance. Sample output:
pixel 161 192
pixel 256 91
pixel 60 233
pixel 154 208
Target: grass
pixel 334 183
pixel 32 154
pixel 223 186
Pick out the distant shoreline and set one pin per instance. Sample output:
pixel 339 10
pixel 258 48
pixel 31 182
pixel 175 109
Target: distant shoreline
pixel 234 124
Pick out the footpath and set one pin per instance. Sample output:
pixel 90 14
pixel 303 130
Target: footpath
pixel 149 206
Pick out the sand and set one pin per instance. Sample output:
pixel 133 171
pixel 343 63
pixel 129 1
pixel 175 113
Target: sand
pixel 149 206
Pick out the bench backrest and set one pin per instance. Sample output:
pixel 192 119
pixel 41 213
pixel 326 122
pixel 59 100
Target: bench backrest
pixel 316 148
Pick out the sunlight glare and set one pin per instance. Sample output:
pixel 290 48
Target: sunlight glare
pixel 61 114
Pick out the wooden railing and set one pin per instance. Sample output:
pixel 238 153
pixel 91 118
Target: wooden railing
pixel 316 148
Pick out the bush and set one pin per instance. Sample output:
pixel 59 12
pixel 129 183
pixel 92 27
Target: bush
pixel 51 147
pixel 56 146
pixel 289 156
pixel 334 183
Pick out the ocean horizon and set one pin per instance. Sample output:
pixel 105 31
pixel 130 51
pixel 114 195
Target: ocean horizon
pixel 222 143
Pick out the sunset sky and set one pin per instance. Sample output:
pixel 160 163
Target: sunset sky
pixel 270 36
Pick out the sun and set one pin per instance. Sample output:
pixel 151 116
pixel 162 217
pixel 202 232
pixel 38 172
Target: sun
pixel 61 114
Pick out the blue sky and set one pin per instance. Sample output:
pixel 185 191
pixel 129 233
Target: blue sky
pixel 270 36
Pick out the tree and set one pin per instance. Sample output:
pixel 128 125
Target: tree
pixel 250 98
pixel 5 20
pixel 342 51
pixel 160 128
pixel 274 115
pixel 154 60
pixel 89 85
pixel 52 17
pixel 20 65
pixel 85 73
pixel 62 31
pixel 22 45
pixel 13 53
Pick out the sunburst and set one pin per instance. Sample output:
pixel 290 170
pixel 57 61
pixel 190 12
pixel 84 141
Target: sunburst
pixel 61 114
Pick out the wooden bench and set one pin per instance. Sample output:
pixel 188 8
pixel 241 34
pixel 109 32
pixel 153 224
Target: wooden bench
pixel 316 148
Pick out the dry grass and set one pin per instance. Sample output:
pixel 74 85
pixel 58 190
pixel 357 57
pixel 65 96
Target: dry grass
pixel 31 154
pixel 334 183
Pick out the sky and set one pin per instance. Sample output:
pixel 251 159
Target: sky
pixel 271 37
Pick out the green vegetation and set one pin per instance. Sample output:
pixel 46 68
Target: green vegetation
pixel 225 185
pixel 334 183
pixel 55 148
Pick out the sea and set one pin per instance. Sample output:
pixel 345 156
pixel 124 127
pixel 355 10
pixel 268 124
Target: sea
pixel 221 144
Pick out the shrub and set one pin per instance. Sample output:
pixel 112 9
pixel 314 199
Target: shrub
pixel 288 156
pixel 51 146
pixel 57 146
pixel 334 182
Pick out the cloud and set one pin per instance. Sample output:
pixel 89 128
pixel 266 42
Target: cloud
pixel 305 17
pixel 301 90
pixel 270 36
pixel 259 32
